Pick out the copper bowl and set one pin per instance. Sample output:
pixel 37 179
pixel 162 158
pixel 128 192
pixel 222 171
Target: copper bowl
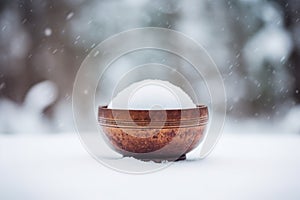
pixel 155 135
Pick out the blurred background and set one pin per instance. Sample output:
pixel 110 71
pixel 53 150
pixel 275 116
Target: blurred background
pixel 255 44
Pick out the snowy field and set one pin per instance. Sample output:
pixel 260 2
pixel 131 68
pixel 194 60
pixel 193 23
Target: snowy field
pixel 243 166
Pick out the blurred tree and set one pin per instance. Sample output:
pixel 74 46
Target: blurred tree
pixel 261 45
pixel 39 28
pixel 291 10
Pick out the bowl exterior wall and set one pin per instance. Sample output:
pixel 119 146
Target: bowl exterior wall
pixel 168 143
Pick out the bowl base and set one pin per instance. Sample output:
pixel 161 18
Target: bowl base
pixel 160 160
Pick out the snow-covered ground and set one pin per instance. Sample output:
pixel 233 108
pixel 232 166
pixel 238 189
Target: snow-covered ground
pixel 243 166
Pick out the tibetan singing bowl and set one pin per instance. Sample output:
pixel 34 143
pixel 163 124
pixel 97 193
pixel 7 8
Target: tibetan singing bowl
pixel 155 135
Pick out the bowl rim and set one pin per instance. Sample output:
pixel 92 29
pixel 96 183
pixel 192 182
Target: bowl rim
pixel 154 118
pixel 200 106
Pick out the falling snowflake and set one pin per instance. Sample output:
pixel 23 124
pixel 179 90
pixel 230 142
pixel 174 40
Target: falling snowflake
pixel 2 85
pixel 54 51
pixel 48 31
pixel 70 15
pixel 96 53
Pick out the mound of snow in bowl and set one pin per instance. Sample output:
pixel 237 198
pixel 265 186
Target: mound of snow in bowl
pixel 152 95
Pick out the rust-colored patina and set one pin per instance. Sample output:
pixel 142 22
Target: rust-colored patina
pixel 155 135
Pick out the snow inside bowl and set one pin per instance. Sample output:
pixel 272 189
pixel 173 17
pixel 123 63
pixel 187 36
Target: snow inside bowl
pixel 155 135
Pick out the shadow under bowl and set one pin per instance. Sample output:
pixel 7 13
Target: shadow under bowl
pixel 155 135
